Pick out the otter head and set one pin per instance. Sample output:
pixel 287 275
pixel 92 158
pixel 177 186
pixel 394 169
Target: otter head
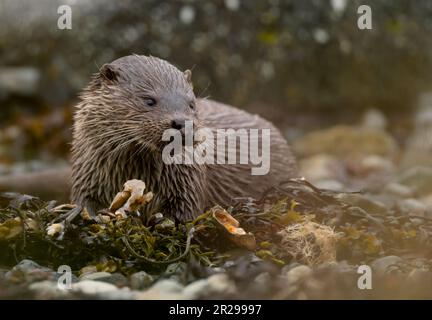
pixel 136 98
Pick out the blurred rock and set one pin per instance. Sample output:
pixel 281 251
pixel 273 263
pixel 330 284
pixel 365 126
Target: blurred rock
pixel 418 150
pixel 374 119
pixel 141 280
pixel 116 279
pixel 346 141
pixel 165 289
pixel 213 285
pixel 298 274
pixel 320 167
pixel 330 185
pixel 91 287
pixel 373 164
pixel 21 81
pixel 29 271
pixel 418 178
pixel 412 207
pixel 262 278
pixel 399 190
pixel 386 264
pixel 366 202
pixel 48 290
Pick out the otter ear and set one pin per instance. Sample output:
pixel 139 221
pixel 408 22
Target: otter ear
pixel 109 73
pixel 188 76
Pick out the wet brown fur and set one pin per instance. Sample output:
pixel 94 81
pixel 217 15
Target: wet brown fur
pixel 117 137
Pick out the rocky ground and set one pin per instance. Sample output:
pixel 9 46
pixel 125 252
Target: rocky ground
pixel 387 226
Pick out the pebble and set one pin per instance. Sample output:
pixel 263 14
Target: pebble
pixel 29 271
pixel 48 290
pixel 419 179
pixel 116 279
pixel 213 285
pixel 298 274
pixel 141 280
pixel 165 289
pixel 398 190
pixel 412 207
pixel 385 264
pixel 92 287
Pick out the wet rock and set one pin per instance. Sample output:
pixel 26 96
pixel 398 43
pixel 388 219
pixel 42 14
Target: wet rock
pixel 412 207
pixel 386 264
pixel 165 289
pixel 319 167
pixel 87 270
pixel 141 280
pixel 398 190
pixel 343 267
pixel 120 294
pixel 48 290
pixel 30 271
pixel 19 80
pixel 298 274
pixel 363 201
pixel 213 285
pixel 91 287
pixel 374 119
pixel 116 279
pixel 346 141
pixel 419 275
pixel 427 201
pixel 418 150
pixel 288 267
pixel 375 164
pixel 330 185
pixel 419 179
pixel 175 271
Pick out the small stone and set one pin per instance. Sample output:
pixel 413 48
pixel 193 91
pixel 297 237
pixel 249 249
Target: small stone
pixel 375 164
pixel 93 287
pixel 385 264
pixel 29 271
pixel 419 179
pixel 363 201
pixel 412 207
pixel 319 167
pixel 48 290
pixel 262 278
pixel 141 280
pixel 398 190
pixel 330 185
pixel 165 289
pixel 120 294
pixel 288 267
pixel 87 270
pixel 114 278
pixel 374 119
pixel 298 274
pixel 213 285
pixel 19 80
pixel 419 275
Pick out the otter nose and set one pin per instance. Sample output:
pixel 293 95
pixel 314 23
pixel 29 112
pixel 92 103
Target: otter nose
pixel 178 124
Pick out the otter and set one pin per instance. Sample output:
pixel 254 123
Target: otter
pixel 117 136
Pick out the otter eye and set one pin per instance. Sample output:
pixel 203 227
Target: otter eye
pixel 150 102
pixel 192 106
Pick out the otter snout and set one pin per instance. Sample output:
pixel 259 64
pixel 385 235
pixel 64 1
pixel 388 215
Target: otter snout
pixel 178 123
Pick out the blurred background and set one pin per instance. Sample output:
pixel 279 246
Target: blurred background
pixel 352 102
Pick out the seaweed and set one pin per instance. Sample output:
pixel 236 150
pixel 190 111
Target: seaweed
pixel 293 216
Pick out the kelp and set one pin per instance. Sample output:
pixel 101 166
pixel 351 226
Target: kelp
pixel 293 216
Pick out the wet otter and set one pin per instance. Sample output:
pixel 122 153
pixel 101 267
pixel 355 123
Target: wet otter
pixel 117 133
